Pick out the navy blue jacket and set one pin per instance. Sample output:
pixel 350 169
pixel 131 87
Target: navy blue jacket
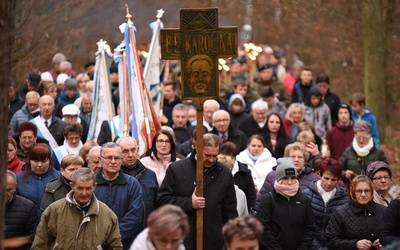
pixel 20 219
pixel 124 197
pixel 148 180
pixel 323 212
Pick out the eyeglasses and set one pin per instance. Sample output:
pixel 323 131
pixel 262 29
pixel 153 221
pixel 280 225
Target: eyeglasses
pixel 27 138
pixel 165 241
pixel 221 120
pixel 380 178
pixel 111 157
pixel 362 138
pixel 365 191
pixel 163 141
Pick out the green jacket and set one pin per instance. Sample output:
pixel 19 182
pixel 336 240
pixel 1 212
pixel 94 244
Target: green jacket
pixel 351 161
pixel 64 226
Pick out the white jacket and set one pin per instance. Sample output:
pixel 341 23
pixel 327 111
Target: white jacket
pixel 261 168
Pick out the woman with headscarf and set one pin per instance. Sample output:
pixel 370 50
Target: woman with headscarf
pixel 286 212
pixel 357 224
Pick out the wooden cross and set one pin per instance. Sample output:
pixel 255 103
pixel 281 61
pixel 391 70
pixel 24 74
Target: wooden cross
pixel 198 44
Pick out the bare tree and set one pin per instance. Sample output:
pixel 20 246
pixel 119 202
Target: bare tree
pixel 374 80
pixel 6 39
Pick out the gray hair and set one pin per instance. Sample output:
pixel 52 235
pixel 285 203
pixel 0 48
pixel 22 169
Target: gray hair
pixel 109 145
pixel 211 102
pixel 221 111
pixel 211 140
pixel 66 63
pixel 291 108
pixel 126 138
pixel 180 107
pixel 259 104
pixel 95 148
pixel 58 58
pixel 12 174
pixel 362 126
pixel 83 174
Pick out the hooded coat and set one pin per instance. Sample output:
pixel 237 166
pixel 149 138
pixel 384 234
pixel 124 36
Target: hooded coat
pixel 320 115
pixel 237 118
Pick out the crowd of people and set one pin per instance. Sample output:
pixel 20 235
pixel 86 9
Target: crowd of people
pixel 287 165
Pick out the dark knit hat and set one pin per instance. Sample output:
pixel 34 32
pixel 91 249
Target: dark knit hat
pixel 285 168
pixel 345 106
pixel 376 166
pixel 70 83
pixel 265 66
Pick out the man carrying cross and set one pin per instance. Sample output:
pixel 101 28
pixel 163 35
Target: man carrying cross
pixel 219 201
pixel 198 43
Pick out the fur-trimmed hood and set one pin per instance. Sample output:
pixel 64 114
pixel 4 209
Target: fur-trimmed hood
pixel 395 191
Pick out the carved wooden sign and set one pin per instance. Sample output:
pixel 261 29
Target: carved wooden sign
pixel 198 44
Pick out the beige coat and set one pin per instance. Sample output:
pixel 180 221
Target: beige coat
pixel 64 226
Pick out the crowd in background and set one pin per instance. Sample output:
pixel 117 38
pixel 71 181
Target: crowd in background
pixel 278 145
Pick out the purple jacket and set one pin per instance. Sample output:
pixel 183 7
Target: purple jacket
pixel 305 177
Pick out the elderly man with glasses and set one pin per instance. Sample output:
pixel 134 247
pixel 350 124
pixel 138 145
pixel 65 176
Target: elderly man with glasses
pixel 224 129
pixel 122 193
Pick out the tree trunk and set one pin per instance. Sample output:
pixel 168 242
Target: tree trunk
pixel 374 81
pixel 6 39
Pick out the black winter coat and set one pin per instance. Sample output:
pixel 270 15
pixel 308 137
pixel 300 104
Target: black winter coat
pixel 351 223
pixel 250 127
pixel 20 219
pixel 288 223
pixel 390 232
pixel 236 137
pixel 323 212
pixel 244 181
pixel 219 192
